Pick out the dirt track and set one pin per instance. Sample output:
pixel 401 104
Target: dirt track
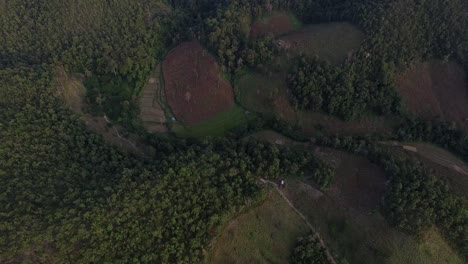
pixel 322 243
pixel 435 154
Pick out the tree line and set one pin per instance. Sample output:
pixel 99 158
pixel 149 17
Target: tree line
pixel 68 197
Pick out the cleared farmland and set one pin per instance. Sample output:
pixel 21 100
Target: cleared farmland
pixel 436 89
pixel 195 88
pixel 276 24
pixel 333 42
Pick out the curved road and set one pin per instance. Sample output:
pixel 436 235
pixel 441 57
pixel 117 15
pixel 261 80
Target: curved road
pixel 330 257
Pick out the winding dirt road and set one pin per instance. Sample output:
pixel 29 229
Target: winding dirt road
pixel 330 257
pixel 433 153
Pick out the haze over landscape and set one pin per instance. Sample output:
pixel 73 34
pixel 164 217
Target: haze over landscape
pixel 234 131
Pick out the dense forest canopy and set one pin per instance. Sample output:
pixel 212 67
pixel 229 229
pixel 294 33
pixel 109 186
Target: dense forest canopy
pixel 68 197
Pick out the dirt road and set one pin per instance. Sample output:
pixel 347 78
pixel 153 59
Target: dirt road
pixel 435 154
pixel 322 243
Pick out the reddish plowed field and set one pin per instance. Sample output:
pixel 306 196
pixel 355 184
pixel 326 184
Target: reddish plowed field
pixel 276 25
pixel 436 89
pixel 195 89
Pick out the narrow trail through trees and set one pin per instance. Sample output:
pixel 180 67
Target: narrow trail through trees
pixel 322 243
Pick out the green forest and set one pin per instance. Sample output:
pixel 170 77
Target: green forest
pixel 68 196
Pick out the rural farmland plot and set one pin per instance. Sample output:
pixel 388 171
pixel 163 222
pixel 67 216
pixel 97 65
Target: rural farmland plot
pixel 195 88
pixel 151 104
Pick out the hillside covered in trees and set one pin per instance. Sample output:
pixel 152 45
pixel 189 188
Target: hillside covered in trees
pixel 68 196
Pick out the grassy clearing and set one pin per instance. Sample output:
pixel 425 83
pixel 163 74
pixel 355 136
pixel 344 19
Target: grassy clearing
pixel 266 234
pixel 329 41
pixel 431 249
pixel 217 126
pixel 70 89
pixel 257 92
pixel 278 15
pixel 276 24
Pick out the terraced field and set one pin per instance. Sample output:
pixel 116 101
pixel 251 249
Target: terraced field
pixel 151 104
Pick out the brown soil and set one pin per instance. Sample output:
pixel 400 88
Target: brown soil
pixel 276 25
pixel 70 89
pixel 436 90
pixel 284 110
pixel 359 184
pixel 195 88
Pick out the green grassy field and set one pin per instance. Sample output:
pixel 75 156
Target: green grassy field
pixel 265 234
pixel 217 126
pixel 431 248
pixel 257 91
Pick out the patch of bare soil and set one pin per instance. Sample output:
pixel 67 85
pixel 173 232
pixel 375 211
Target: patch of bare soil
pixel 436 90
pixel 195 88
pixel 359 184
pixel 72 91
pixel 284 110
pixel 101 125
pixel 276 25
pixel 151 111
pixel 70 88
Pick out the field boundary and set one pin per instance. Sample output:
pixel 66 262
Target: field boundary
pixel 438 155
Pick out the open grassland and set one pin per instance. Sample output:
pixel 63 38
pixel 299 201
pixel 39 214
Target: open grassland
pixel 195 88
pixel 431 248
pixel 333 42
pixel 217 126
pixel 266 234
pixel 436 89
pixel 276 24
pixel 71 89
pixel 265 94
